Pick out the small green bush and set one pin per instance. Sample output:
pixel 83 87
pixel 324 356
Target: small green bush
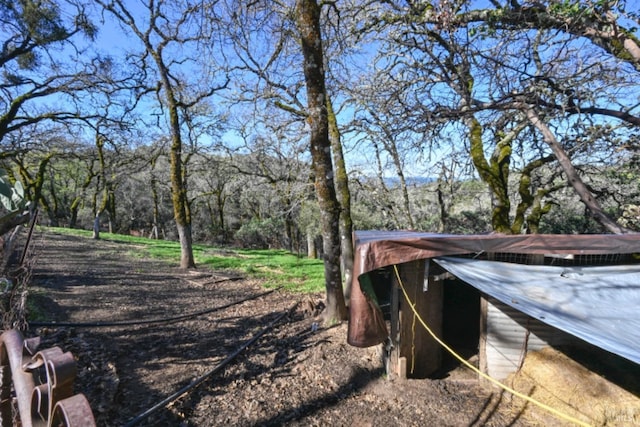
pixel 260 234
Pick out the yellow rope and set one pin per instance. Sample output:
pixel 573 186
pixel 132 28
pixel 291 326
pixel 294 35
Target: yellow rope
pixel 413 344
pixel 482 374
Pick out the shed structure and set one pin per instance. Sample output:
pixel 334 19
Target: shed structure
pixel 497 295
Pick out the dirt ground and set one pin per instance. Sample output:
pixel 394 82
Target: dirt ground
pixel 296 374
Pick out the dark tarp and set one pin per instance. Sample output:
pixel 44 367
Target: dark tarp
pixel 374 249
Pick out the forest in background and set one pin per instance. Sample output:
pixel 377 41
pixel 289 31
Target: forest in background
pixel 268 201
pixel 281 123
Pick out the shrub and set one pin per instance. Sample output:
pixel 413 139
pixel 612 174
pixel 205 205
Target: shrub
pixel 260 234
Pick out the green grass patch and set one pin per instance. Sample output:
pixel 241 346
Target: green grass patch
pixel 275 267
pixel 36 302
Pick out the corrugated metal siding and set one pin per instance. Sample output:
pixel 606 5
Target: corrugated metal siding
pixel 506 334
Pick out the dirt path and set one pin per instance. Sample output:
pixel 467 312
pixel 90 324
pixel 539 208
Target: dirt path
pixel 294 375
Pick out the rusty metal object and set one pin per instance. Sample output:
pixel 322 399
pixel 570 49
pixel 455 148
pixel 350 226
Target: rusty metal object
pixel 42 383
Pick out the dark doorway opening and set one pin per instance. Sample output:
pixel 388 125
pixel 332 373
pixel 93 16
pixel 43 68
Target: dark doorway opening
pixel 460 323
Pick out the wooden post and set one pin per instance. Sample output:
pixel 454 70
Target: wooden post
pixel 412 344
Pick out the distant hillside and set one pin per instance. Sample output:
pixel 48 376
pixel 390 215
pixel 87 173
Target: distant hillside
pixel 393 181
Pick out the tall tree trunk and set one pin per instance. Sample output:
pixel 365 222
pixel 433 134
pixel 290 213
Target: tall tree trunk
pixel 495 173
pixel 96 226
pixel 344 197
pixel 111 205
pixel 75 205
pixel 443 209
pixel 95 209
pixel 156 200
pixel 108 199
pixel 221 202
pixel 312 253
pixel 573 177
pixel 178 185
pixel 169 91
pixel 179 198
pixel 308 22
pixel 531 200
pixel 73 212
pixel 38 183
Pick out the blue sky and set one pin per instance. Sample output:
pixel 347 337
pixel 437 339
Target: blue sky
pixel 112 39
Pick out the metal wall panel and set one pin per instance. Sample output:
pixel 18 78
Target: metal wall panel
pixel 507 338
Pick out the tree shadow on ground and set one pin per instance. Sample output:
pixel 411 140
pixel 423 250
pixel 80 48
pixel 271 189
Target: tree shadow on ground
pixel 358 380
pixel 278 357
pixel 177 354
